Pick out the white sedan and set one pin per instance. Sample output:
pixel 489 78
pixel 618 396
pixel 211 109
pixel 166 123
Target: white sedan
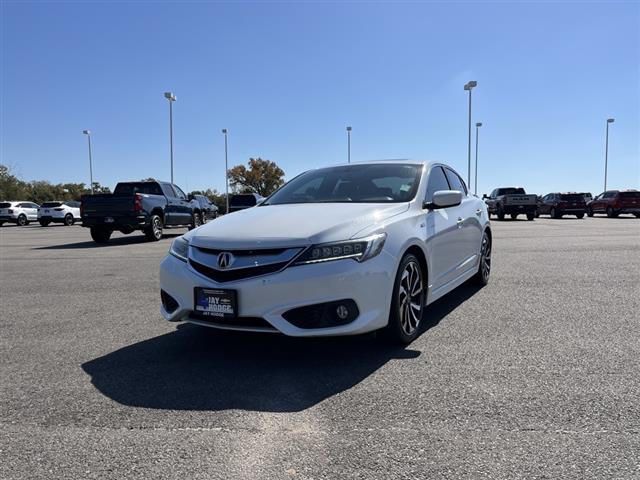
pixel 336 251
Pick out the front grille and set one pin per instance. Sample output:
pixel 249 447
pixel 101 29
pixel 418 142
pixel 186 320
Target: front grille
pixel 246 322
pixel 222 276
pixel 244 253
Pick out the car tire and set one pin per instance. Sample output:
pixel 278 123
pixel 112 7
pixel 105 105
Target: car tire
pixel 154 231
pixel 203 219
pixel 100 235
pixel 500 213
pixel 405 314
pixel 514 216
pixel 580 215
pixel 22 220
pixel 43 223
pixel 68 220
pixel 553 213
pixel 590 212
pixel 484 268
pixel 1 223
pixel 611 213
pixel 195 221
pixel 531 216
pixel 637 215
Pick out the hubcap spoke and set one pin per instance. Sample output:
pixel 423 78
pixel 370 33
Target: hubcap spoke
pixel 410 298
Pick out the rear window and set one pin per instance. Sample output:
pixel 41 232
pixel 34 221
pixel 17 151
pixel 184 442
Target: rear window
pixel 629 194
pixel 50 204
pixel 571 197
pixel 73 204
pixel 5 205
pixel 243 201
pixel 148 188
pixel 511 191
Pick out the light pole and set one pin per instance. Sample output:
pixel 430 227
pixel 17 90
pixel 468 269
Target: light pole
pixel 469 86
pixel 88 134
pixel 606 151
pixel 225 132
pixel 349 144
pixel 172 98
pixel 475 187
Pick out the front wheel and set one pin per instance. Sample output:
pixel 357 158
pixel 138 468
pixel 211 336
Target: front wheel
pixel 611 213
pixel 68 219
pixel 407 303
pixel 22 220
pixel 590 212
pixel 100 235
pixel 154 231
pixel 514 216
pixel 500 213
pixel 531 216
pixel 43 223
pixel 580 215
pixel 196 221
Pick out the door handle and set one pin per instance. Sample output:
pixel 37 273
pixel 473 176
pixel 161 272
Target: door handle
pixel 479 212
pixel 460 222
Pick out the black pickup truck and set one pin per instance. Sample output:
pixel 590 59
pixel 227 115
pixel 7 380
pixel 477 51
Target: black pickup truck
pixel 149 206
pixel 511 201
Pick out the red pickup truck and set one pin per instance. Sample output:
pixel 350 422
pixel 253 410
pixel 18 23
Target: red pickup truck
pixel 615 202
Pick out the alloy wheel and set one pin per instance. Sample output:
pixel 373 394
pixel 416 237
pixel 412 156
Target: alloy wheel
pixel 410 298
pixel 485 257
pixel 157 228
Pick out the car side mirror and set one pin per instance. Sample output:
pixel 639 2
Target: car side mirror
pixel 444 199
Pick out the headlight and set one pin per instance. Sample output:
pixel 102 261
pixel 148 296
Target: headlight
pixel 180 249
pixel 360 249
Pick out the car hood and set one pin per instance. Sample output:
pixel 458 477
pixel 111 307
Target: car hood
pixel 292 225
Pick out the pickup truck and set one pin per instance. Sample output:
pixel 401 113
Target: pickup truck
pixel 149 206
pixel 511 201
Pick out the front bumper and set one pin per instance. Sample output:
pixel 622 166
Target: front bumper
pixel 369 284
pixel 519 209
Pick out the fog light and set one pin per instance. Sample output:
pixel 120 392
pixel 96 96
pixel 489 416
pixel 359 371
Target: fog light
pixel 342 312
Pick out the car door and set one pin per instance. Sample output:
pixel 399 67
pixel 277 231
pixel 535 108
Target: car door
pixel 185 209
pixel 33 211
pixel 468 223
pixel 444 245
pixel 545 207
pixel 171 212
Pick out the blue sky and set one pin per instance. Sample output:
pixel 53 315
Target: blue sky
pixel 286 78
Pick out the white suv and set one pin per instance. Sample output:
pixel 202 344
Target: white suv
pixel 336 251
pixel 20 213
pixel 67 212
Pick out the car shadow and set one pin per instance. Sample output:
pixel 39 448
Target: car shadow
pixel 196 368
pixel 114 242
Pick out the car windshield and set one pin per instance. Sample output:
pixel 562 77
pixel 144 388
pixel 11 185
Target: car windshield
pixel 51 204
pixel 377 183
pixel 510 191
pixel 629 194
pixel 571 197
pixel 243 201
pixel 149 188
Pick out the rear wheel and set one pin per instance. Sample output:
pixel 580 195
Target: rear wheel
pixel 531 216
pixel 43 223
pixel 407 303
pixel 100 235
pixel 154 231
pixel 484 269
pixel 68 219
pixel 22 220
pixel 580 215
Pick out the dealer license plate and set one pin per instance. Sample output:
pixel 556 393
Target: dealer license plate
pixel 215 302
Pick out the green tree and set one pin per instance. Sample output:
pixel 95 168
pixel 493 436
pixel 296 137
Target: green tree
pixel 262 177
pixel 11 187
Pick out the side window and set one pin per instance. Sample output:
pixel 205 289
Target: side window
pixel 437 181
pixel 493 194
pixel 455 181
pixel 168 190
pixel 179 193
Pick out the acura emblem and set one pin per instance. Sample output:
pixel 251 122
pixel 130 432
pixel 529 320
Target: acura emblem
pixel 225 260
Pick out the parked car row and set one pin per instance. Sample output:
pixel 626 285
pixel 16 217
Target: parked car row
pixel 22 213
pixel 514 201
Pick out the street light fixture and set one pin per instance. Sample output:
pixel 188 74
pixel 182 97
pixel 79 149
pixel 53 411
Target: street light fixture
pixel 475 186
pixel 348 144
pixel 225 132
pixel 88 134
pixel 469 86
pixel 606 151
pixel 172 98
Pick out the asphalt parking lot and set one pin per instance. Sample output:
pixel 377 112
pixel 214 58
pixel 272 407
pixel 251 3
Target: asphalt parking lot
pixel 535 376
